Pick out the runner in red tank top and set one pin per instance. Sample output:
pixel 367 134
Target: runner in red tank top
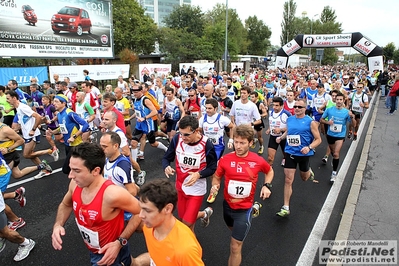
pixel 98 206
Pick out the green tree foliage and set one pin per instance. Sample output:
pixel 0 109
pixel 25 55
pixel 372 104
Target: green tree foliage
pixel 186 17
pixel 237 40
pixel 389 51
pixel 132 29
pixel 178 45
pixel 396 56
pixel 258 36
pixel 287 25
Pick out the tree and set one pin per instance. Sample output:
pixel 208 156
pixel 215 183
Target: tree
pixel 388 51
pixel 237 34
pixel 396 56
pixel 186 17
pixel 258 36
pixel 287 25
pixel 133 29
pixel 178 45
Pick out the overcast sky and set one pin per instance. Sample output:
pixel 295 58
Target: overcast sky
pixel 376 20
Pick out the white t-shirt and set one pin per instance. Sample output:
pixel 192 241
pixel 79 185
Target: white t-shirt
pixel 119 131
pixel 356 100
pixel 26 120
pixel 244 113
pixel 214 128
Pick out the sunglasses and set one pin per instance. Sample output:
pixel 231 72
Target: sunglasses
pixel 190 95
pixel 186 134
pixel 298 106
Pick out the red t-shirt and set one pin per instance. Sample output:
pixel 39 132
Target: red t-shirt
pixel 96 232
pixel 240 178
pixel 120 122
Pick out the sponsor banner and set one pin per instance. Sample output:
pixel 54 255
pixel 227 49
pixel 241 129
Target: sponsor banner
pixel 365 252
pixel 157 69
pixel 23 75
pixel 238 65
pixel 48 50
pixel 291 47
pixel 55 28
pixel 327 40
pixel 375 62
pixel 96 72
pixel 364 46
pixel 202 68
pixel 281 62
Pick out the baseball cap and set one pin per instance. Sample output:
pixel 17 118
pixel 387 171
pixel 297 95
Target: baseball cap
pixel 72 85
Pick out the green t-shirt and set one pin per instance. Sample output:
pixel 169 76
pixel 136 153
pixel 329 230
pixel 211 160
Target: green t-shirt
pixel 5 106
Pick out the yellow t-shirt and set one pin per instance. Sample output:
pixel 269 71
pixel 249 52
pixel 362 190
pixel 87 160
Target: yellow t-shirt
pixel 126 106
pixel 179 248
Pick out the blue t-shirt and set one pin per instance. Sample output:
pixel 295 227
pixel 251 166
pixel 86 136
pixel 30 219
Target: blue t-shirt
pixel 340 118
pixel 299 135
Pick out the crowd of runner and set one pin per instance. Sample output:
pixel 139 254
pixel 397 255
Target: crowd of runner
pixel 197 117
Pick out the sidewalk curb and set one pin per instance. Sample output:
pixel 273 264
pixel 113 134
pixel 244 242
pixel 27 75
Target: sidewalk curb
pixel 351 202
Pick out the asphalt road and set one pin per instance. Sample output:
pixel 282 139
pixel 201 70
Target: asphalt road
pixel 272 240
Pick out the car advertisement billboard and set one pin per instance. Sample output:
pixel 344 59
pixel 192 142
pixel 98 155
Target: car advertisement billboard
pixel 56 28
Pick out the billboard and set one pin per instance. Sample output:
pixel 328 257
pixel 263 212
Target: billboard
pixel 56 28
pixel 202 68
pixel 22 75
pixel 96 72
pixel 157 69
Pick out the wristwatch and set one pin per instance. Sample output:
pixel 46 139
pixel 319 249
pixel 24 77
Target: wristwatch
pixel 268 185
pixel 123 241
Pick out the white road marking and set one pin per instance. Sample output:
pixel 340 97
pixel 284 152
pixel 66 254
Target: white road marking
pixel 18 183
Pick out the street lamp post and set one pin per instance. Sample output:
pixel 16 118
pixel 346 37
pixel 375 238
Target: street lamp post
pixel 225 38
pixel 310 48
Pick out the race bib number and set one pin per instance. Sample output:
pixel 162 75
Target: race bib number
pixel 138 114
pixel 63 129
pixel 239 189
pixel 213 140
pixel 120 107
pixel 336 128
pixel 294 140
pixel 89 237
pixel 356 108
pixel 195 114
pixel 190 160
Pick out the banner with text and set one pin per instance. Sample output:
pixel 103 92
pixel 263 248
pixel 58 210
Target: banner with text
pixel 327 40
pixel 157 69
pixel 22 75
pixel 202 68
pixel 96 72
pixel 55 28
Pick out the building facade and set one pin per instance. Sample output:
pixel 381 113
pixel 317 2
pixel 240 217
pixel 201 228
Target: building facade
pixel 159 9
